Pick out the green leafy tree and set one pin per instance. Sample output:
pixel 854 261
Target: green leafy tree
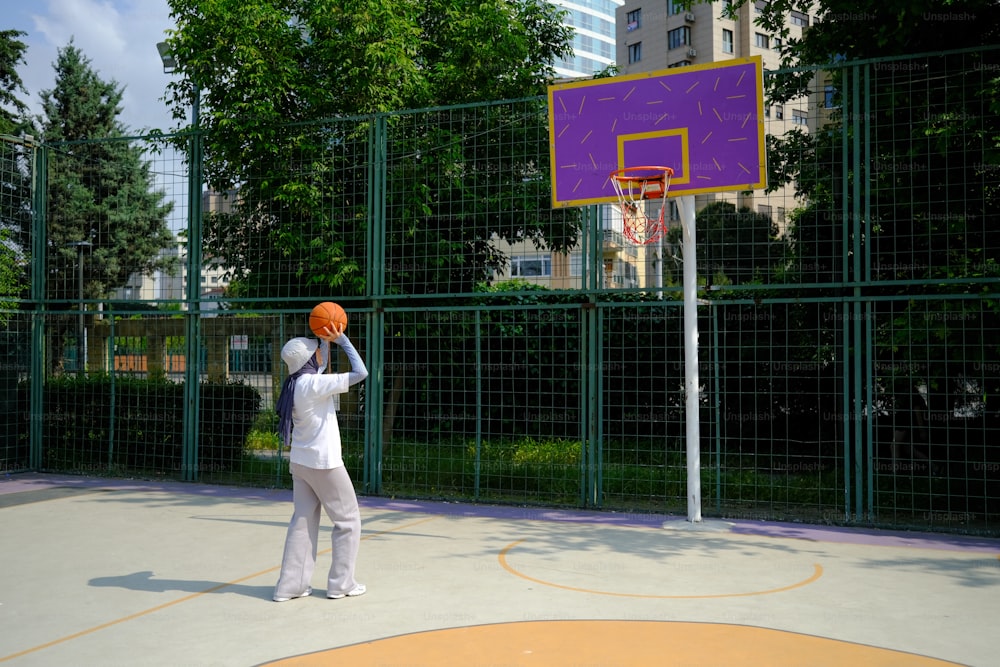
pixel 100 188
pixel 266 72
pixel 928 130
pixel 15 177
pixel 287 92
pixel 13 110
pixel 735 246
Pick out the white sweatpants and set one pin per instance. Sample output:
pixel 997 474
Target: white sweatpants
pixel 333 491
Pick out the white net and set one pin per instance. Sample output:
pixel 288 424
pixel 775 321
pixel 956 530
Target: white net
pixel 642 197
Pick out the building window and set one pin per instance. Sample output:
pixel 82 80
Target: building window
pixel 727 9
pixel 779 112
pixel 530 267
pixel 675 6
pixel 576 264
pixel 678 37
pixel 800 19
pixel 799 117
pixel 620 274
pixel 829 95
pixel 727 41
pixel 781 215
pixel 760 40
pixel 680 63
pixel 635 52
pixel 764 209
pixel 633 20
pixel 759 6
pixel 777 43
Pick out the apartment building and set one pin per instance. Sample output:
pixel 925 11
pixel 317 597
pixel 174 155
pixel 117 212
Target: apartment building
pixel 165 287
pixel 654 35
pixel 594 39
pixel 594 50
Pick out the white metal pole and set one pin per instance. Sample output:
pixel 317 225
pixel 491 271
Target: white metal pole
pixel 691 381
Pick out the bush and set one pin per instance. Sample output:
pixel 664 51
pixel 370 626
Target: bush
pixel 99 423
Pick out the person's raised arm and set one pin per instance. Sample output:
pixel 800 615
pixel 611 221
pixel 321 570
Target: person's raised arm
pixel 358 371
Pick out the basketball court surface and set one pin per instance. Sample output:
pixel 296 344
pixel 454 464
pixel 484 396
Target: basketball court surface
pixel 118 572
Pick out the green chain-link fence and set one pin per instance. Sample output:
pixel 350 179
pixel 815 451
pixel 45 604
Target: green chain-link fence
pixel 849 323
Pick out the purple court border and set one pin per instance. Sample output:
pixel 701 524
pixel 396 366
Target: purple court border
pixel 28 481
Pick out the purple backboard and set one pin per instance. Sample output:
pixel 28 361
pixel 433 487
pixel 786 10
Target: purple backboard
pixel 706 122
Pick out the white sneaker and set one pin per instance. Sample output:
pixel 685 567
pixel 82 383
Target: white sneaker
pixel 353 593
pixel 304 594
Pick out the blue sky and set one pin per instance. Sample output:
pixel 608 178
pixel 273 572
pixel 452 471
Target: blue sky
pixel 118 36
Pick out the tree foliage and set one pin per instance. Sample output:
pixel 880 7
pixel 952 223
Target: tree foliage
pixel 735 246
pixel 288 90
pixel 913 144
pixel 15 177
pixel 101 190
pixel 13 109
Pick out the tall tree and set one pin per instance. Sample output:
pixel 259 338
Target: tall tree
pixel 13 110
pixel 922 138
pixel 15 179
pixel 735 246
pixel 101 190
pixel 288 89
pixel 263 69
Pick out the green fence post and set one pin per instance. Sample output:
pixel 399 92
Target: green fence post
pixel 192 317
pixel 39 266
pixel 376 240
pixel 717 386
pixel 865 223
pixel 479 403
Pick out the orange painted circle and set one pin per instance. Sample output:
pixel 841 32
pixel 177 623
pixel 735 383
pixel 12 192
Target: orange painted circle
pixel 817 573
pixel 620 643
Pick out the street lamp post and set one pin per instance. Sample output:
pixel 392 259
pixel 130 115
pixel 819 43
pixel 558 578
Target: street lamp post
pixel 169 65
pixel 189 456
pixel 80 329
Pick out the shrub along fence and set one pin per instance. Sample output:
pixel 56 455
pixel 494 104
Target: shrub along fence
pixel 848 322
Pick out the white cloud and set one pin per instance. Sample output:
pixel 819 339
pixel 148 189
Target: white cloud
pixel 118 36
pixel 95 27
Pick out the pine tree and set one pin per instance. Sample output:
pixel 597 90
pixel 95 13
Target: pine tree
pixel 100 188
pixel 13 110
pixel 15 193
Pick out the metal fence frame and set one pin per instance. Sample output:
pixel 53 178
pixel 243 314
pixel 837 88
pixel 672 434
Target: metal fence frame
pixel 588 328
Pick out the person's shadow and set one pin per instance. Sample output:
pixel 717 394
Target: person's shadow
pixel 146 581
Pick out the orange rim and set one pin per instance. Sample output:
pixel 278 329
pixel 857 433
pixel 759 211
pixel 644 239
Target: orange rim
pixel 622 175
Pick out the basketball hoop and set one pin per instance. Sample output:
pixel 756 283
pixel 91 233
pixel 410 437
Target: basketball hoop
pixel 634 186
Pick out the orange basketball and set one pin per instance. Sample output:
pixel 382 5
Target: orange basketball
pixel 326 314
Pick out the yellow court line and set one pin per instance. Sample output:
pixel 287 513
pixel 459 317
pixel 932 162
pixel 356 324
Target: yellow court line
pixel 817 573
pixel 146 612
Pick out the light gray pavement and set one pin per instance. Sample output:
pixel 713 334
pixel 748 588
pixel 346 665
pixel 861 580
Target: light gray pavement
pixel 115 572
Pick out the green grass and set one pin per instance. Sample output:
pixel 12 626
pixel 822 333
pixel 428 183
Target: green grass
pixel 645 476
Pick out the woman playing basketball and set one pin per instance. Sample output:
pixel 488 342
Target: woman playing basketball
pixel 308 424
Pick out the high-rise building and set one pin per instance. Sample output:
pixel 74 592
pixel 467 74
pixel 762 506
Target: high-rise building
pixel 594 41
pixel 659 34
pixel 594 50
